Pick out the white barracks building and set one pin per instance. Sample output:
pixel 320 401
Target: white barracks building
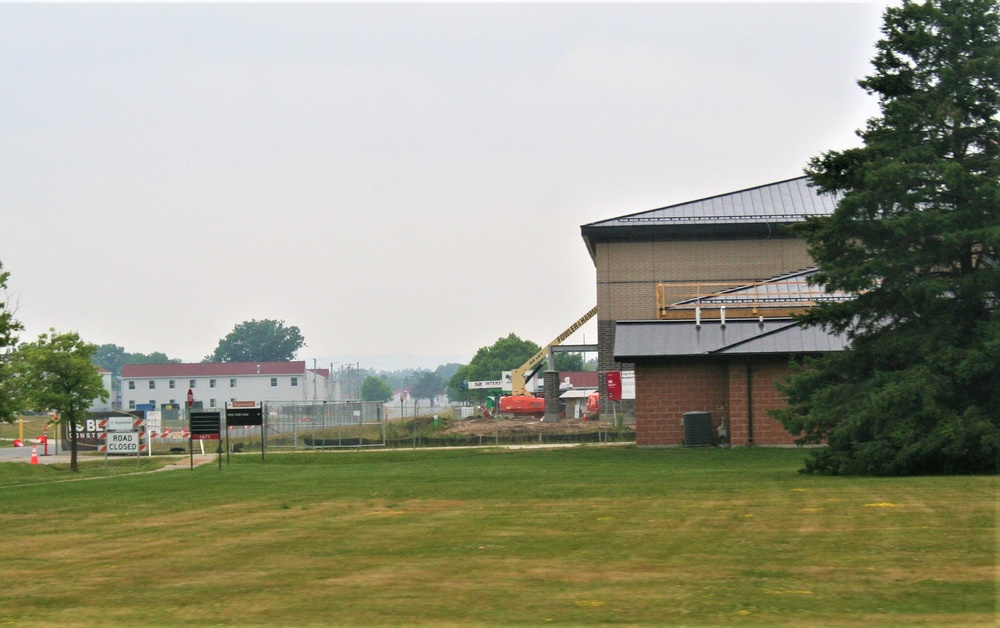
pixel 214 384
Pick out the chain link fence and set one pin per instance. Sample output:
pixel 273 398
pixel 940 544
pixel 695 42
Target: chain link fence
pixel 298 425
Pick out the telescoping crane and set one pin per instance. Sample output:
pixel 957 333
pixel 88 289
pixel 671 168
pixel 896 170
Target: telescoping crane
pixel 522 402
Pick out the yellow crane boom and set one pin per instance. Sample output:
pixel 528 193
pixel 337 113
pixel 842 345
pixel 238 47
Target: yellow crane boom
pixel 517 380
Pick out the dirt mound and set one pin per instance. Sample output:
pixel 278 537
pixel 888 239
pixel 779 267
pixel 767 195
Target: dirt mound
pixel 518 425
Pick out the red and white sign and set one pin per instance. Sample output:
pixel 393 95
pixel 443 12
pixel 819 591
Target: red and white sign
pixel 190 398
pixel 613 380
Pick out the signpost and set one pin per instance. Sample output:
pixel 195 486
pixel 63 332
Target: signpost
pixel 204 425
pixel 123 435
pixel 628 384
pixel 613 381
pixel 245 414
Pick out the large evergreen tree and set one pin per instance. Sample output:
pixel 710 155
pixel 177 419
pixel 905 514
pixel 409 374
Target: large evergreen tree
pixel 915 236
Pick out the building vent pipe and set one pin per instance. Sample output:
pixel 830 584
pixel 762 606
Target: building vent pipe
pixel 722 315
pixel 697 317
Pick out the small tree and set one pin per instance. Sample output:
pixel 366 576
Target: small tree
pixel 428 386
pixel 56 373
pixel 568 362
pixel 375 389
pixel 8 338
pixel 915 235
pixel 259 341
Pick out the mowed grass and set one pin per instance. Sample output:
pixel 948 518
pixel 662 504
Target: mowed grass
pixel 587 535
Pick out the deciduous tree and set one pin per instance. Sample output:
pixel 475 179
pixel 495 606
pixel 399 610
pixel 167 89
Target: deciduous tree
pixel 9 327
pixel 428 385
pixel 915 236
pixel 375 389
pixel 113 357
pixel 56 373
pixel 489 363
pixel 259 341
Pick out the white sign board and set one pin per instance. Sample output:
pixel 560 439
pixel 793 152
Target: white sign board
pixel 154 421
pixel 123 442
pixel 508 384
pixel 628 384
pixel 489 383
pixel 120 423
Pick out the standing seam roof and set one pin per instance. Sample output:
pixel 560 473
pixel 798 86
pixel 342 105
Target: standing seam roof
pixel 785 201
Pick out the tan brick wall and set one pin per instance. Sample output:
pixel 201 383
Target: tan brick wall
pixel 628 272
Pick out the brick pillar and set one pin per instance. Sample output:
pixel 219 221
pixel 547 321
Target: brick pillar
pixel 551 379
pixel 606 362
pixel 739 420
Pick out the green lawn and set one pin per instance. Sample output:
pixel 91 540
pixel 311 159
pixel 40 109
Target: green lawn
pixel 588 535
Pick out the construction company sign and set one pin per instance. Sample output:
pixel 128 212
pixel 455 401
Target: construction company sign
pixel 487 384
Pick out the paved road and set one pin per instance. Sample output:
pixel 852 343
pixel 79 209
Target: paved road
pixel 23 454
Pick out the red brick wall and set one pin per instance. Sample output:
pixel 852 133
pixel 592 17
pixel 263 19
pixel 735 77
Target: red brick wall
pixel 669 388
pixel 665 391
pixel 766 372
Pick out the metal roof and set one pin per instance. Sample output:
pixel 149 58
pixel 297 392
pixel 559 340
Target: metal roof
pixel 643 340
pixel 753 212
pixel 785 201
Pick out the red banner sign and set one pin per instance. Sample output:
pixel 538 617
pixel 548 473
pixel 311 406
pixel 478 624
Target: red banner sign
pixel 613 381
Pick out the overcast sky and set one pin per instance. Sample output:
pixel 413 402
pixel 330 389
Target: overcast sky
pixel 391 178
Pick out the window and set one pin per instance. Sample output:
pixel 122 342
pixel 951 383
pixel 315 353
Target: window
pixel 173 401
pixel 131 384
pixel 191 383
pixel 131 404
pixel 152 384
pixel 152 402
pixel 171 384
pixel 232 383
pixel 211 403
pixel 211 383
pixel 295 381
pixel 274 382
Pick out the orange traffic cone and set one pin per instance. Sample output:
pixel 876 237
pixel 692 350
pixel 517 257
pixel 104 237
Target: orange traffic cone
pixel 34 455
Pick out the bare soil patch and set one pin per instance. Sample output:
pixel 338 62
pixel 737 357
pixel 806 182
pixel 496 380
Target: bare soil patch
pixel 519 425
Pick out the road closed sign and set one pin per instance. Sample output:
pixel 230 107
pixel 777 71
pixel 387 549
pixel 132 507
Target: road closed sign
pixel 123 442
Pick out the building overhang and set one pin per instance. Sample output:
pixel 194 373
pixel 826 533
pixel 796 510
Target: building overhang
pixel 644 341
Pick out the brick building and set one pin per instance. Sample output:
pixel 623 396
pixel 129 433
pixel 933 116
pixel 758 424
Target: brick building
pixel 696 298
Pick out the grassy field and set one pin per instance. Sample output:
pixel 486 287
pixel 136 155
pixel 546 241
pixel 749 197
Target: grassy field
pixel 588 535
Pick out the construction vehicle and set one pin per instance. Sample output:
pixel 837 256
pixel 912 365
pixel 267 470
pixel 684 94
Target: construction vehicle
pixel 593 406
pixel 520 402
